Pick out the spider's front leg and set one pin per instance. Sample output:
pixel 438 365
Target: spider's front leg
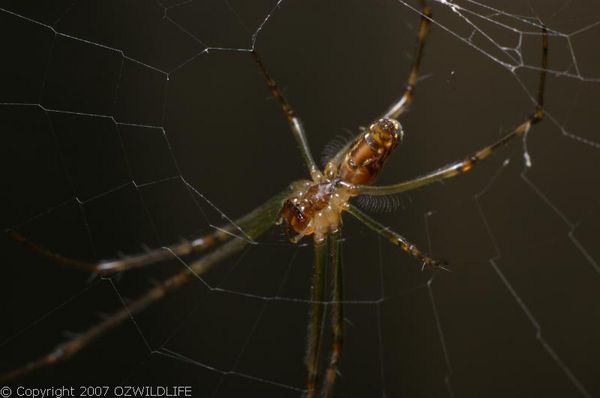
pixel 397 239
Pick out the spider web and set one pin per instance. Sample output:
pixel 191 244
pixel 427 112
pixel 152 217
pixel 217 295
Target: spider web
pixel 132 125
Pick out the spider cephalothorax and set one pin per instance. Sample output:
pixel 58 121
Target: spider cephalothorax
pixel 315 207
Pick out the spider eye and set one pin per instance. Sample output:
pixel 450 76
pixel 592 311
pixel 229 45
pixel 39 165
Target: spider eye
pixel 386 132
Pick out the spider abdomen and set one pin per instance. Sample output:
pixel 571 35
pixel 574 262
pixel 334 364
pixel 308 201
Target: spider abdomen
pixel 365 158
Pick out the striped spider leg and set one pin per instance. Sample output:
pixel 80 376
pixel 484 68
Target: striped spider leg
pixel 405 100
pixel 254 224
pixel 109 267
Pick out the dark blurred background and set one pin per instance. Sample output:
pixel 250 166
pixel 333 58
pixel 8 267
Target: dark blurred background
pixel 109 106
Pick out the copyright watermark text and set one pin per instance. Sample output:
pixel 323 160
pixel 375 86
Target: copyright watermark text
pixel 96 391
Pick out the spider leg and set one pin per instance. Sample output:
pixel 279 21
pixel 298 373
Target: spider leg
pixel 469 162
pixel 317 306
pixel 396 239
pixel 337 314
pixel 109 267
pixel 256 223
pixel 400 106
pixel 293 120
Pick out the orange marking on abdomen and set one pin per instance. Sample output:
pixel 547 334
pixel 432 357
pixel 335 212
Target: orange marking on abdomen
pixel 363 162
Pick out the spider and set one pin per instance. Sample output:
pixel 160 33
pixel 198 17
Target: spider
pixel 311 207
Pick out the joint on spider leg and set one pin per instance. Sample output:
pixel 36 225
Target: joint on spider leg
pixel 316 175
pixel 435 264
pixel 425 8
pixel 468 164
pixel 427 14
pixel 291 115
pixel 318 237
pixel 427 261
pixel 538 115
pixel 410 249
pixel 330 170
pixel 310 390
pixel 427 11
